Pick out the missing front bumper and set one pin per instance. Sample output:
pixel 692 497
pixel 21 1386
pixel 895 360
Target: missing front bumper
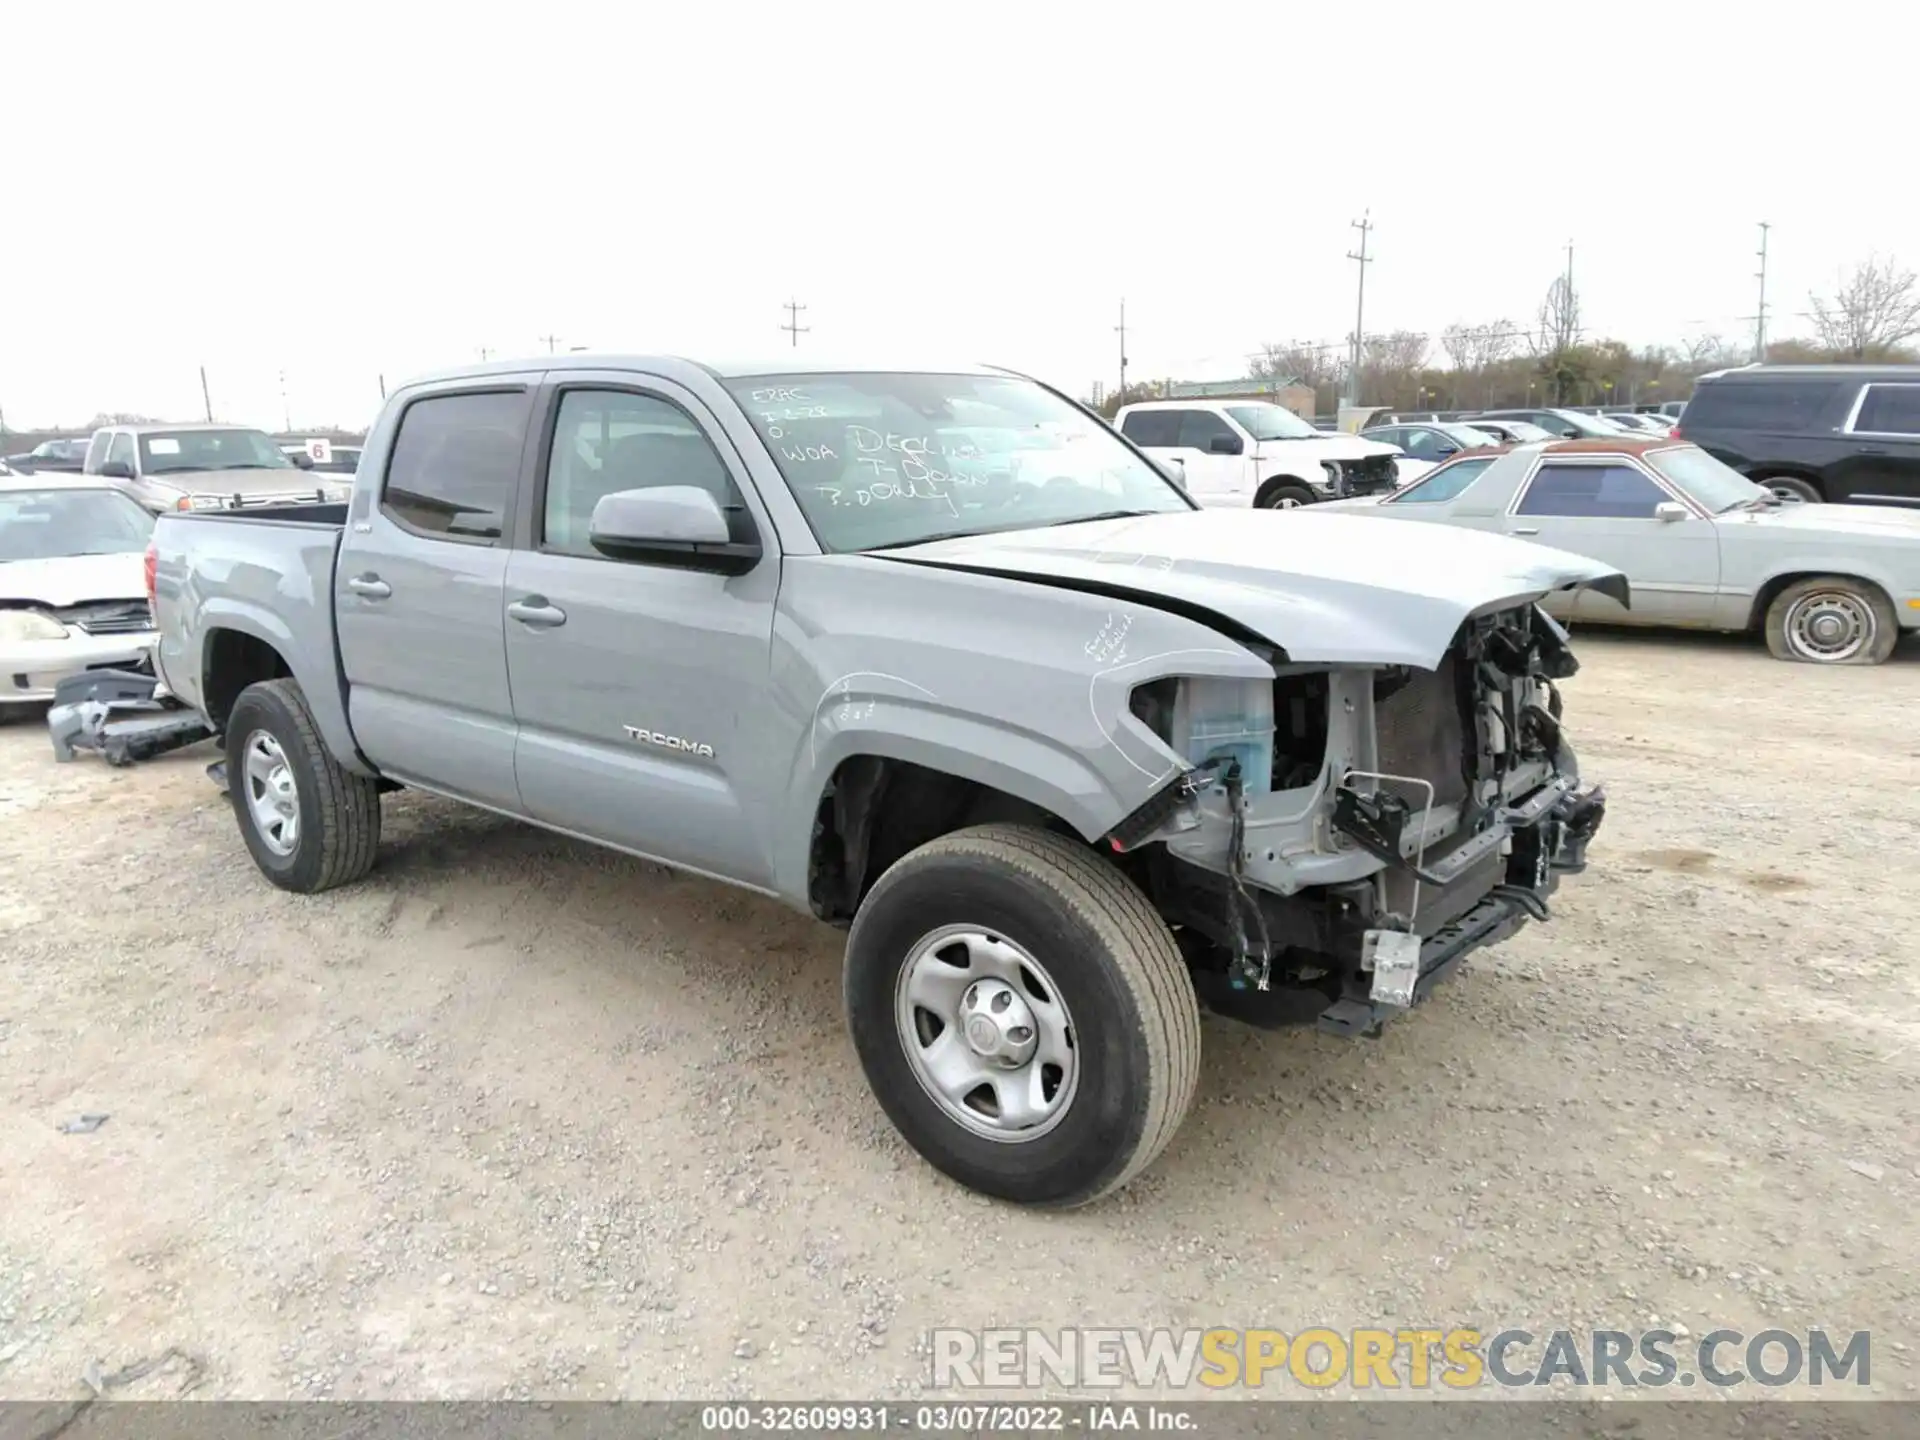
pixel 1401 969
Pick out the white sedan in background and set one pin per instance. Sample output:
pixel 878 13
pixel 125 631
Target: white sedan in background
pixel 73 592
pixel 1702 546
pixel 1424 444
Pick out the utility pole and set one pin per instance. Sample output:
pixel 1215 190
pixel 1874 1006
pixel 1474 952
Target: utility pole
pixel 1365 226
pixel 1760 318
pixel 383 386
pixel 552 340
pixel 286 411
pixel 793 327
pixel 485 354
pixel 205 398
pixel 1121 330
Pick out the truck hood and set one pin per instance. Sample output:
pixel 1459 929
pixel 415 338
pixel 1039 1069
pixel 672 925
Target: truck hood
pixel 74 579
pixel 1332 589
pixel 1323 447
pixel 291 481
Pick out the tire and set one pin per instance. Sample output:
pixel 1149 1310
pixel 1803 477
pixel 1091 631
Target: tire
pixel 335 814
pixel 1832 620
pixel 1284 495
pixel 1107 967
pixel 1791 489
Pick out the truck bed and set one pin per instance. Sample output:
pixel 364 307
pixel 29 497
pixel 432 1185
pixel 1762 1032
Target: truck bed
pixel 267 573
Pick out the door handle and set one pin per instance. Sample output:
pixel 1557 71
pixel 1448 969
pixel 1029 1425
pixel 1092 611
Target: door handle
pixel 371 586
pixel 1525 530
pixel 536 612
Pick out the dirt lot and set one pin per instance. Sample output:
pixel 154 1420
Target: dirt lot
pixel 517 1116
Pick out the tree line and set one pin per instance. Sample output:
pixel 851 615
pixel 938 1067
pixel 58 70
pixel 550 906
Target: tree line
pixel 1870 317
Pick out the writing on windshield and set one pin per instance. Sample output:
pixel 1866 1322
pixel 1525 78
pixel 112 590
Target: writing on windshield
pixel 887 459
pixel 163 451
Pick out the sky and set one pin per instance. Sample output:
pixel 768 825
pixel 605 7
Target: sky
pixel 338 192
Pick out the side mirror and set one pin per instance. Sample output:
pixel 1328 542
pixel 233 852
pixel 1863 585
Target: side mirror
pixel 301 459
pixel 681 526
pixel 1669 511
pixel 1175 469
pixel 116 470
pixel 1445 450
pixel 1224 445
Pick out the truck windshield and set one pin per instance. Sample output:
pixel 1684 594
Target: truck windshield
pixel 884 459
pixel 55 524
pixel 165 450
pixel 1272 422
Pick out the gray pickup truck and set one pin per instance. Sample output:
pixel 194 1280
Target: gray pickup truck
pixel 938 656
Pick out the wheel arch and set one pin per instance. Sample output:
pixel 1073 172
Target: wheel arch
pixel 1772 587
pixel 1276 482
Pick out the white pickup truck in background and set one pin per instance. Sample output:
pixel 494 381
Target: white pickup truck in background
pixel 1255 453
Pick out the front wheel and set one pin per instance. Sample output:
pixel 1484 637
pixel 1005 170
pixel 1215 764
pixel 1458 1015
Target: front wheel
pixel 1790 489
pixel 1289 495
pixel 1832 620
pixel 309 824
pixel 1022 1014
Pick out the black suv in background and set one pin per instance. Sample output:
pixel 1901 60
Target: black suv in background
pixel 1814 432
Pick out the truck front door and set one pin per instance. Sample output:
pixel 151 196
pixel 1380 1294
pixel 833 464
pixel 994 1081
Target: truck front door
pixel 418 595
pixel 639 687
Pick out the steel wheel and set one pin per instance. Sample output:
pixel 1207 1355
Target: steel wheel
pixel 273 799
pixel 986 1033
pixel 1830 626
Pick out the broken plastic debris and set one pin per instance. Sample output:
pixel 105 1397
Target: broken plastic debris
pixel 85 1125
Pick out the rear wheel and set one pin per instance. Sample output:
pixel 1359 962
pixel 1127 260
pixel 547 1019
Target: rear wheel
pixel 1832 620
pixel 1022 1014
pixel 309 824
pixel 1283 495
pixel 1791 489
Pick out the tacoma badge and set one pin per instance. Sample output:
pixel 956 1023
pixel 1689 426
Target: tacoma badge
pixel 669 742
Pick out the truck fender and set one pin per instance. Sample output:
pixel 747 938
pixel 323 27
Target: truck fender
pixel 317 675
pixel 1019 763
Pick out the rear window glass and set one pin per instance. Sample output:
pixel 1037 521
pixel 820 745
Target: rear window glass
pixel 454 464
pixel 1446 483
pixel 1152 427
pixel 1758 404
pixel 1889 410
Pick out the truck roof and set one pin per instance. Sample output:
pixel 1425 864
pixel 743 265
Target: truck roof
pixel 720 370
pixel 157 427
pixel 1210 402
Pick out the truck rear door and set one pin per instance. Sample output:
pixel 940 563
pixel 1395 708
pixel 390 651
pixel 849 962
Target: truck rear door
pixel 419 593
pixel 634 682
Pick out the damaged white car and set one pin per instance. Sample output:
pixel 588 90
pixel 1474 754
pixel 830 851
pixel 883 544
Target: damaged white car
pixel 73 593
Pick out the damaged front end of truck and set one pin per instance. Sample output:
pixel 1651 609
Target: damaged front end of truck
pixel 1341 836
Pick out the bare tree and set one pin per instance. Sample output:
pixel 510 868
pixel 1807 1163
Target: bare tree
pixel 1557 326
pixel 1397 352
pixel 1473 348
pixel 1875 308
pixel 1308 364
pixel 1705 351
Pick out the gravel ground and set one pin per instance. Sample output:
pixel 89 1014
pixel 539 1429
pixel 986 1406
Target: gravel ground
pixel 518 1117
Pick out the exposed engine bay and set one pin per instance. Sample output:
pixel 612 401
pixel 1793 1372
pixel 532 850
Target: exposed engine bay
pixel 1344 835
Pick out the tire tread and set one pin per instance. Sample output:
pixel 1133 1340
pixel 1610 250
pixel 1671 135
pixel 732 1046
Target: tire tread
pixel 349 804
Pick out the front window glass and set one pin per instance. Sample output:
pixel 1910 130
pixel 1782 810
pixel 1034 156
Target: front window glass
pixel 162 451
pixel 54 524
pixel 1715 486
pixel 1597 492
pixel 1443 484
pixel 1271 422
pixel 886 459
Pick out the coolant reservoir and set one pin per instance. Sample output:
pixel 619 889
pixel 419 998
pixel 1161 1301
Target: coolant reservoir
pixel 1227 718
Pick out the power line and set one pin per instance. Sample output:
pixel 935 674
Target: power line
pixel 793 327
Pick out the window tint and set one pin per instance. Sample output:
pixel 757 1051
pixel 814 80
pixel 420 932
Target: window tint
pixel 1444 483
pixel 1758 404
pixel 605 441
pixel 1152 427
pixel 1424 444
pixel 1607 492
pixel 1199 427
pixel 454 463
pixel 1890 410
pixel 121 449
